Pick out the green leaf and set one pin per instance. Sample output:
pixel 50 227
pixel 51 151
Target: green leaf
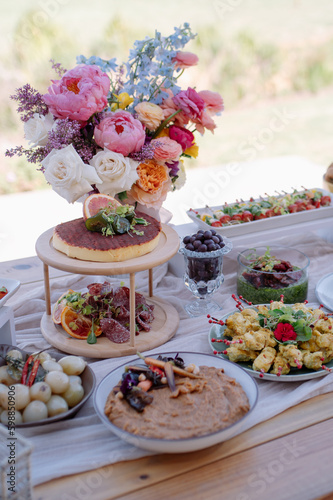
pixel 122 196
pixel 265 204
pixel 286 318
pixel 304 335
pixel 92 339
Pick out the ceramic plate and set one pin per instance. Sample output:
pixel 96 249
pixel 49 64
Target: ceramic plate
pixel 179 445
pixel 88 383
pixel 295 375
pixel 263 224
pixel 11 285
pixel 324 291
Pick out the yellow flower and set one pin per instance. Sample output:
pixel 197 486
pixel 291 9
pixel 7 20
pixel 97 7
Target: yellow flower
pixel 124 100
pixel 192 151
pixel 164 133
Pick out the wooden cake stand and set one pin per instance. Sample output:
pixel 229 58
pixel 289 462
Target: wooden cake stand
pixel 166 319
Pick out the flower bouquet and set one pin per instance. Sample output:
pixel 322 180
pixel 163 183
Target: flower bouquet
pixel 121 130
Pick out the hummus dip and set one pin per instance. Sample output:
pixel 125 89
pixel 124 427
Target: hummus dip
pixel 198 407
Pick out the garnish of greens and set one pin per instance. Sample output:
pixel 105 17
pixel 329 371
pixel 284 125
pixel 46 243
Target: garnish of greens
pixel 265 262
pixel 154 370
pixel 26 372
pixel 299 320
pixel 111 221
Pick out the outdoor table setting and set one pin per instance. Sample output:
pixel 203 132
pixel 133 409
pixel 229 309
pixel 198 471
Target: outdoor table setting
pixel 60 448
pixel 120 307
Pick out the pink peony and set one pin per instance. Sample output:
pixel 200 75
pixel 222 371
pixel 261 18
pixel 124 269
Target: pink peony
pixel 213 101
pixel 190 102
pixel 181 135
pixel 81 92
pixel 120 132
pixel 185 60
pixel 169 107
pixel 166 149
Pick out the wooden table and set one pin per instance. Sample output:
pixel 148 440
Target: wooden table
pixel 288 456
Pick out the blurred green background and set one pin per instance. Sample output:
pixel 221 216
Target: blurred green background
pixel 272 61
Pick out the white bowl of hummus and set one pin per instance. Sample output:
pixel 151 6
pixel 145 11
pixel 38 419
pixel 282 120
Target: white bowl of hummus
pixel 213 412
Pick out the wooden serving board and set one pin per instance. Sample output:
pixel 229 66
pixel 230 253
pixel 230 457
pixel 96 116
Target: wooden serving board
pixel 167 247
pixel 163 329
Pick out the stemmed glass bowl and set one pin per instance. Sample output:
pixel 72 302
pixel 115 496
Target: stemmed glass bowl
pixel 203 276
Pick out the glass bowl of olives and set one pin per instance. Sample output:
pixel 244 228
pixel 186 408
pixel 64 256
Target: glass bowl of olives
pixel 203 254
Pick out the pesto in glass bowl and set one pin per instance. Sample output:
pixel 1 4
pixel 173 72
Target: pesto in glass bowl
pixel 266 273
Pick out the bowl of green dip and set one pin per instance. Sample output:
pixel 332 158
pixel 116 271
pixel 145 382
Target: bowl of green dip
pixel 266 273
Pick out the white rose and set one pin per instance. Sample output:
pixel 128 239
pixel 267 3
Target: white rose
pixel 181 179
pixel 116 172
pixel 67 174
pixel 36 129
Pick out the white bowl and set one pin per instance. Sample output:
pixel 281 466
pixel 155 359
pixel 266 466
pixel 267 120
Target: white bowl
pixel 11 285
pixel 179 445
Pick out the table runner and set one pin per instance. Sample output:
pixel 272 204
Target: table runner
pixel 84 443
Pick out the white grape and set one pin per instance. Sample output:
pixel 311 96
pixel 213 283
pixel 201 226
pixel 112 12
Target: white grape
pixel 3 395
pixel 75 379
pixel 40 391
pixel 43 356
pixel 36 410
pixel 58 381
pixel 14 353
pixel 51 366
pixel 56 405
pixel 5 378
pixel 74 394
pixel 15 417
pixel 17 397
pixel 72 365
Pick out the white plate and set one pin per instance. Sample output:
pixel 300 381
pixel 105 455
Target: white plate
pixel 11 285
pixel 179 445
pixel 88 383
pixel 264 224
pixel 324 291
pixel 295 375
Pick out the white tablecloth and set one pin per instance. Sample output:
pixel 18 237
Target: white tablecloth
pixel 84 443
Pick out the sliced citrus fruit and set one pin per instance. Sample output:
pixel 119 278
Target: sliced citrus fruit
pixel 59 307
pixel 77 325
pixel 95 202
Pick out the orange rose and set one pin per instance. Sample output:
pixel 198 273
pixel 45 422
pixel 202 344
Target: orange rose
pixel 153 184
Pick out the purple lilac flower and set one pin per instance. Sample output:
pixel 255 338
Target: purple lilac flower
pixel 30 102
pixel 58 68
pixel 70 132
pixel 32 155
pixel 146 152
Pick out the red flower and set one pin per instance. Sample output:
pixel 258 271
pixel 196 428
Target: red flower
pixel 284 332
pixel 181 135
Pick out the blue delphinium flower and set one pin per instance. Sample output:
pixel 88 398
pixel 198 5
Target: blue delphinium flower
pixel 149 67
pixel 105 65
